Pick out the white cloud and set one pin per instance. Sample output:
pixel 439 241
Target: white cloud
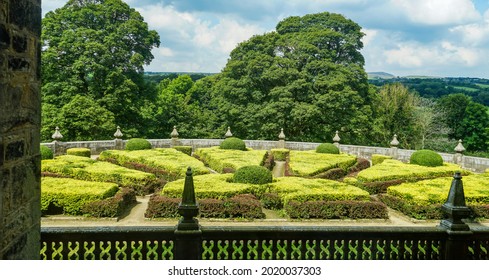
pixel 438 12
pixel 370 34
pixel 475 34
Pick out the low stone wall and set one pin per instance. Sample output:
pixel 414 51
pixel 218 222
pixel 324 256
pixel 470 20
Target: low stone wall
pixel 471 163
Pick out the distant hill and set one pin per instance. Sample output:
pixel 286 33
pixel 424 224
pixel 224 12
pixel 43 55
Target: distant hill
pixel 380 75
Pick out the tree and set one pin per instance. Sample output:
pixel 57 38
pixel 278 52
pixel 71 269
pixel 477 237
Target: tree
pixel 454 105
pixel 430 124
pixel 97 48
pixel 306 77
pixel 476 127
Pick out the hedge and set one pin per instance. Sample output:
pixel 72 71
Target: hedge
pixel 46 152
pixel 253 174
pixel 167 162
pixel 233 143
pixel 225 161
pixel 83 168
pixel 184 149
pixel 114 206
pixel 426 158
pixel 280 154
pixel 310 163
pixel 377 159
pixel 136 144
pixel 70 195
pixel 327 148
pixel 242 205
pixel 217 186
pixel 336 210
pixel 82 152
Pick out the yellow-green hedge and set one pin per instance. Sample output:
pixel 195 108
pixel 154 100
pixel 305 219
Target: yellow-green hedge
pixel 310 163
pixel 378 159
pixel 169 159
pixel 72 195
pixel 391 169
pixel 82 152
pixel 219 159
pixel 216 186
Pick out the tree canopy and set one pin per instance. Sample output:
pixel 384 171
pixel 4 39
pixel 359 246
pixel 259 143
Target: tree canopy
pixel 97 48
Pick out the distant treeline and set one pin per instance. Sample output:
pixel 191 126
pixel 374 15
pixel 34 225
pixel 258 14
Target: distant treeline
pixel 157 77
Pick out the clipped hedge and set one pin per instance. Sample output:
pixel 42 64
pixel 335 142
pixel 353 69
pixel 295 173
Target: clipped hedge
pixel 164 162
pixel 378 159
pixel 426 158
pixel 227 161
pixel 233 143
pixel 46 152
pixel 83 168
pixel 280 154
pixel 327 148
pixel 310 163
pixel 111 207
pixel 336 210
pixel 81 152
pixel 423 199
pixel 253 174
pixel 70 195
pixel 184 149
pixel 136 144
pixel 239 206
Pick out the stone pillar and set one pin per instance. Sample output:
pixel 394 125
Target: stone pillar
pixel 188 235
pixel 228 133
pixel 58 148
pixel 336 140
pixel 393 151
pixel 118 143
pixel 459 153
pixel 174 137
pixel 281 139
pixel 454 211
pixel 20 119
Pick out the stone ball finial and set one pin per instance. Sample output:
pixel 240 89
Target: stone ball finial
pixel 336 137
pixel 460 148
pixel 394 142
pixel 174 133
pixel 118 134
pixel 57 135
pixel 281 136
pixel 228 133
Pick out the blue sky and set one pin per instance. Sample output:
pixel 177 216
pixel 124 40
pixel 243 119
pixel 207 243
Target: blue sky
pixel 443 38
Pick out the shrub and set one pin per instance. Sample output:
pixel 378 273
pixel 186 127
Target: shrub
pixel 426 158
pixel 137 144
pixel 253 174
pixel 46 153
pixel 220 160
pixel 377 159
pixel 81 152
pixel 233 143
pixel 336 210
pixel 359 166
pixel 310 163
pixel 111 207
pixel 332 174
pixel 327 148
pixel 162 207
pixel 184 149
pixel 280 154
pixel 271 201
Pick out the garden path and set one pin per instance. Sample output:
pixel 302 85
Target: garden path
pixel 279 169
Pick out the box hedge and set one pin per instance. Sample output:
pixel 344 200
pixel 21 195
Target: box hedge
pixel 114 206
pixel 280 154
pixel 71 195
pixel 426 158
pixel 230 160
pixel 81 152
pixel 327 148
pixel 336 210
pixel 233 143
pixel 253 174
pixel 83 168
pixel 378 159
pixel 136 144
pixel 184 149
pixel 310 163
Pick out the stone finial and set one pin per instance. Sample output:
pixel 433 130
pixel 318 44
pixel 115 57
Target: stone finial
pixel 281 136
pixel 174 133
pixel 336 137
pixel 394 142
pixel 189 207
pixel 460 148
pixel 228 133
pixel 57 135
pixel 455 208
pixel 118 134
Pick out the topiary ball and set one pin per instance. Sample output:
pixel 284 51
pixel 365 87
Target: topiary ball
pixel 135 144
pixel 81 152
pixel 253 174
pixel 426 158
pixel 233 143
pixel 327 148
pixel 46 153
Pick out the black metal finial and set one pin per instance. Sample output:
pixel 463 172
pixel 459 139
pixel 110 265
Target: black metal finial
pixel 455 208
pixel 189 207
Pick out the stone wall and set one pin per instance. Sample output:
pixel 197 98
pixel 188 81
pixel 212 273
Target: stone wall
pixel 470 163
pixel 20 27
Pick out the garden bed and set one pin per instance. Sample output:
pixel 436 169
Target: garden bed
pixel 311 163
pixel 228 161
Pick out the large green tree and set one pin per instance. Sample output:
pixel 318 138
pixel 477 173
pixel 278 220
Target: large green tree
pixel 307 77
pixel 97 48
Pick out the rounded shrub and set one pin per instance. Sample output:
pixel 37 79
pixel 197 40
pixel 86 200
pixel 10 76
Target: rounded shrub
pixel 46 153
pixel 137 144
pixel 426 158
pixel 233 143
pixel 253 174
pixel 81 152
pixel 327 148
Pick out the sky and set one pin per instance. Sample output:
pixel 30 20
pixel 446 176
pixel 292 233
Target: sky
pixel 443 38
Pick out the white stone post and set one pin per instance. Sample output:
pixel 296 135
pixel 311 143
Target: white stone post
pixel 393 150
pixel 281 139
